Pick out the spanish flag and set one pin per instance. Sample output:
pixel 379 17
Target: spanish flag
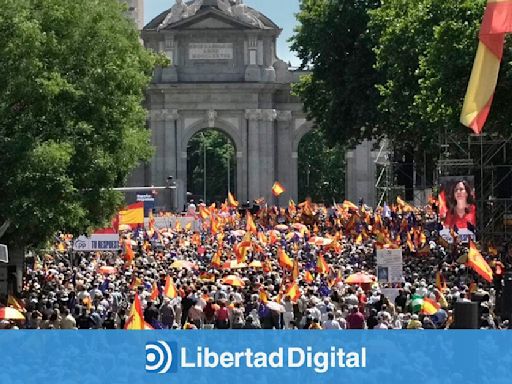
pixel 204 212
pixel 133 214
pixel 291 207
pixel 232 201
pixel 308 277
pixel 277 189
pixel 263 296
pixel 15 303
pixel 321 265
pixel 347 205
pixel 477 262
pixel 284 259
pixel 216 262
pixel 154 292
pixel 251 226
pixel 151 223
pixel 136 317
pixel 484 77
pixel 429 307
pixel 293 291
pixel 170 289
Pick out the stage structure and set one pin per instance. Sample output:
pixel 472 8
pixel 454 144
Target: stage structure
pixel 488 158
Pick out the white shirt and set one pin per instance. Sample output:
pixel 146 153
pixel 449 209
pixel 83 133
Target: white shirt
pixel 331 324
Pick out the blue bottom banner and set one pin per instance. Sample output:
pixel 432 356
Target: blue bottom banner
pixel 256 357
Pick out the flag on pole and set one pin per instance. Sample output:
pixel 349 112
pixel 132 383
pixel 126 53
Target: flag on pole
pixel 308 277
pixel 232 201
pixel 251 226
pixel 321 265
pixel 294 292
pixel 277 189
pixel 284 260
pixel 136 317
pixel 170 289
pixel 478 264
pixel 154 292
pixel 496 23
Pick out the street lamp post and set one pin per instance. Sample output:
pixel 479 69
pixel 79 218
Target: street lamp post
pixel 204 169
pixel 229 175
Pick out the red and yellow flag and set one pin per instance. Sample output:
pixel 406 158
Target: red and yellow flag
pixel 15 303
pixel 263 296
pixel 136 317
pixel 429 307
pixel 284 260
pixel 154 292
pixel 251 226
pixel 216 262
pixel 204 212
pixel 277 189
pixel 321 265
pixel 308 277
pixel 133 214
pixel 170 289
pixel 232 201
pixel 484 76
pixel 293 291
pixel 478 264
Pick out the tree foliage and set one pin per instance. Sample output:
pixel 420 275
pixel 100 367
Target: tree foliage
pixel 72 125
pixel 333 40
pixel 321 170
pixel 220 158
pixel 423 53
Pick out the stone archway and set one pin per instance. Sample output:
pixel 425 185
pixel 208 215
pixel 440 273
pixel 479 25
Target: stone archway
pixel 211 166
pixel 189 132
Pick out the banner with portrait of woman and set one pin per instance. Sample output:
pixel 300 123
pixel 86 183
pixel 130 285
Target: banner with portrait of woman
pixel 457 205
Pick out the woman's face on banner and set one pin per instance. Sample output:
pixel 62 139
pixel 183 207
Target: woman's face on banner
pixel 460 192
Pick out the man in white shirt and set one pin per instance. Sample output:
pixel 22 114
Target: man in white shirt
pixel 330 323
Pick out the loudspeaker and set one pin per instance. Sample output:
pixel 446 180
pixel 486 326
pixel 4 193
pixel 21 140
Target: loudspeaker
pixel 506 297
pixel 466 316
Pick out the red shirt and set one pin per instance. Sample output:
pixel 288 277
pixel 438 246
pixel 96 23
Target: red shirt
pixel 355 321
pixel 461 222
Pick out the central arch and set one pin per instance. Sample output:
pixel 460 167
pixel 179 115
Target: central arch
pixel 211 166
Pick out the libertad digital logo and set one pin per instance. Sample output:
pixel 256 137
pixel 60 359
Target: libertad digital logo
pixel 159 357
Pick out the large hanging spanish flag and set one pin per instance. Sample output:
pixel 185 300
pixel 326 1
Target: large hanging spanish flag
pixel 484 77
pixel 478 264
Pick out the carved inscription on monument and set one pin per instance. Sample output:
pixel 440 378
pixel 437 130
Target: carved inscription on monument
pixel 210 51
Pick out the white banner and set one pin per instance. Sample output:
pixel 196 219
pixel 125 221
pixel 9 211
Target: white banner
pixel 97 242
pixel 389 265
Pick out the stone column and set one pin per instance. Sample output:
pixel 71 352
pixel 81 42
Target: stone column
pixel 267 153
pixel 253 144
pixel 284 154
pixel 164 162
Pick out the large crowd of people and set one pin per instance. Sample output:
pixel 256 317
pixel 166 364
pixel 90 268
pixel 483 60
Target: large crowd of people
pixel 278 268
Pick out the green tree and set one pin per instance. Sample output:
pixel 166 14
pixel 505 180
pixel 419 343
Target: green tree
pixel 339 94
pixel 321 169
pixel 220 154
pixel 72 125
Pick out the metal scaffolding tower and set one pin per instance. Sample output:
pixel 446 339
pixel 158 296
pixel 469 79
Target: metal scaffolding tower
pixel 489 159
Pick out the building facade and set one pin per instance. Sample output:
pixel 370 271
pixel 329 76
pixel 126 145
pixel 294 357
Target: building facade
pixel 224 75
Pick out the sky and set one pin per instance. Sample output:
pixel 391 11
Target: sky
pixel 281 12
